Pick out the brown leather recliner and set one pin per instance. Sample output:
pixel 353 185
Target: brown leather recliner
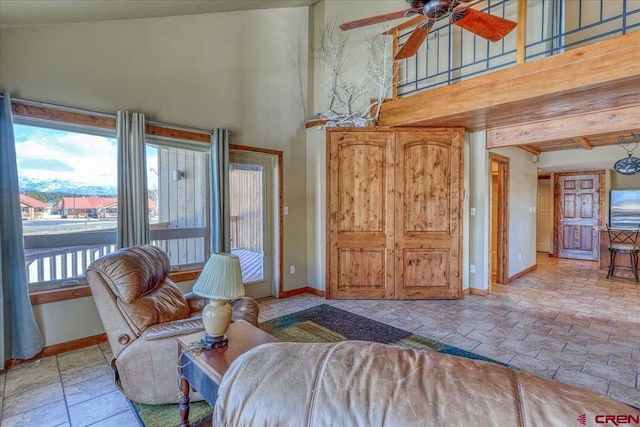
pixel 356 383
pixel 143 313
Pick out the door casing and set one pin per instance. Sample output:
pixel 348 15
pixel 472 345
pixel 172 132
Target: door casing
pixel 272 159
pixel 600 192
pixel 501 217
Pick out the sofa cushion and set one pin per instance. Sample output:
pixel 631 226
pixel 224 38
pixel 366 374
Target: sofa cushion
pixel 164 304
pixel 354 383
pixel 132 273
pixel 138 279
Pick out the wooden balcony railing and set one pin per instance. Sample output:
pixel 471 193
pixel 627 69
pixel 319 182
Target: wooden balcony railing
pixel 60 260
pixel 545 27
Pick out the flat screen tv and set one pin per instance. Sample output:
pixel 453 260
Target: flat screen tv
pixel 624 209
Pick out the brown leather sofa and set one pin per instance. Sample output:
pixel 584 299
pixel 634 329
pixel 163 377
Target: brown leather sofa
pixel 355 383
pixel 143 313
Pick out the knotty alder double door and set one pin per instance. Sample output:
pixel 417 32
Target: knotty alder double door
pixel 394 201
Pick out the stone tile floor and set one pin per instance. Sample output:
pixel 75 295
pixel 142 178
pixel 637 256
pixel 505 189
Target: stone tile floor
pixel 562 321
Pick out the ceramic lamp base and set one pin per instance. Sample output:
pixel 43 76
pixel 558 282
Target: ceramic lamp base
pixel 216 317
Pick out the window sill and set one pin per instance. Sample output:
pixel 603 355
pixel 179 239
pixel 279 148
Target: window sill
pixel 53 295
pixel 81 291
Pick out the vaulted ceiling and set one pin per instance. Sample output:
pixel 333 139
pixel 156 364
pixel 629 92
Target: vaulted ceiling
pixel 17 13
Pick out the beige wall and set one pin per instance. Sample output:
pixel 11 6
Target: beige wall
pixel 68 320
pixel 324 11
pixel 624 182
pixel 246 71
pixel 581 159
pixel 523 194
pixel 479 172
pixel 522 220
pixel 250 72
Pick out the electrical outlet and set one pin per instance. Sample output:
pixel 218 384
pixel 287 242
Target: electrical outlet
pixel 472 268
pixel 519 257
pixel 473 211
pixel 286 210
pixel 292 269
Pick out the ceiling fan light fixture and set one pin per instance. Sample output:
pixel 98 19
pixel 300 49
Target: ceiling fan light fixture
pixel 629 165
pixel 460 13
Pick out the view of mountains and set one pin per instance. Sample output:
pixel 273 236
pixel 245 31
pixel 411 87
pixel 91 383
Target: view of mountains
pixel 66 187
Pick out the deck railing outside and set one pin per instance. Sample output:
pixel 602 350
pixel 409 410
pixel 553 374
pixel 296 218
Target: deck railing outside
pixel 65 264
pixel 451 54
pixel 64 257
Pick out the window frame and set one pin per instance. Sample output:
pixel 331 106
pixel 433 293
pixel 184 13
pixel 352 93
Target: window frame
pixel 162 234
pixel 63 117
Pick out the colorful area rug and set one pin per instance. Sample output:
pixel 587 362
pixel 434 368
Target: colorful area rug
pixel 169 415
pixel 322 323
pixel 325 323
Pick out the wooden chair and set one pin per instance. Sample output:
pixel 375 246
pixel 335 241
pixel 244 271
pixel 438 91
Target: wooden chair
pixel 623 241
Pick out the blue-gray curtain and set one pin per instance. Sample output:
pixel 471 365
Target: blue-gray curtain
pixel 220 227
pixel 21 338
pixel 133 209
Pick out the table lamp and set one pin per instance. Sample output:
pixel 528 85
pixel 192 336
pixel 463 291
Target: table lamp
pixel 220 280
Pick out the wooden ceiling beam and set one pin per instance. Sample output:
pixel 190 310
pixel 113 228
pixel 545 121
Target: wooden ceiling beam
pixel 531 149
pixel 585 142
pixel 600 122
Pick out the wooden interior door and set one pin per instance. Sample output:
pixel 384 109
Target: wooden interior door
pixel 360 195
pixel 428 232
pixel 578 213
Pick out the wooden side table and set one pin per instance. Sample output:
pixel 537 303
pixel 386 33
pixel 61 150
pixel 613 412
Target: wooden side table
pixel 205 370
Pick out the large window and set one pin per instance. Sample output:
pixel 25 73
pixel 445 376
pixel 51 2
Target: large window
pixel 178 183
pixel 68 184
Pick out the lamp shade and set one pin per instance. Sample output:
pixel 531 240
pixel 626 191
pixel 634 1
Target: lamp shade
pixel 221 278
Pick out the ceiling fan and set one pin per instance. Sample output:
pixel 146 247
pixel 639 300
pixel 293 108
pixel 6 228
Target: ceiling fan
pixel 487 26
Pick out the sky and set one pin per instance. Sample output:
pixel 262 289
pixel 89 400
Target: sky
pixel 48 154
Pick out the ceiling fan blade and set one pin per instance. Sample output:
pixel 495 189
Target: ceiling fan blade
pixel 415 40
pixel 372 20
pixel 487 26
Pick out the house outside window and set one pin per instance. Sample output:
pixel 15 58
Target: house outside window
pixel 178 185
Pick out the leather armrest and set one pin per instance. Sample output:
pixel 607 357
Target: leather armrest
pixel 196 302
pixel 173 329
pixel 245 309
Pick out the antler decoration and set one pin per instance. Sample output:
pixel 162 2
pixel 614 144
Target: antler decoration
pixel 624 143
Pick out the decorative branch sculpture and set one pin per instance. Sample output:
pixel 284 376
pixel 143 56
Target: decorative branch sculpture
pixel 348 103
pixel 380 68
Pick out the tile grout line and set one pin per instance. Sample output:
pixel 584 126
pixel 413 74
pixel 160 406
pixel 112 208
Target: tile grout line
pixel 64 394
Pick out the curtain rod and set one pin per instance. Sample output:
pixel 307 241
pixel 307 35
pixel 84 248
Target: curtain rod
pixel 178 127
pixel 60 107
pixel 100 114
